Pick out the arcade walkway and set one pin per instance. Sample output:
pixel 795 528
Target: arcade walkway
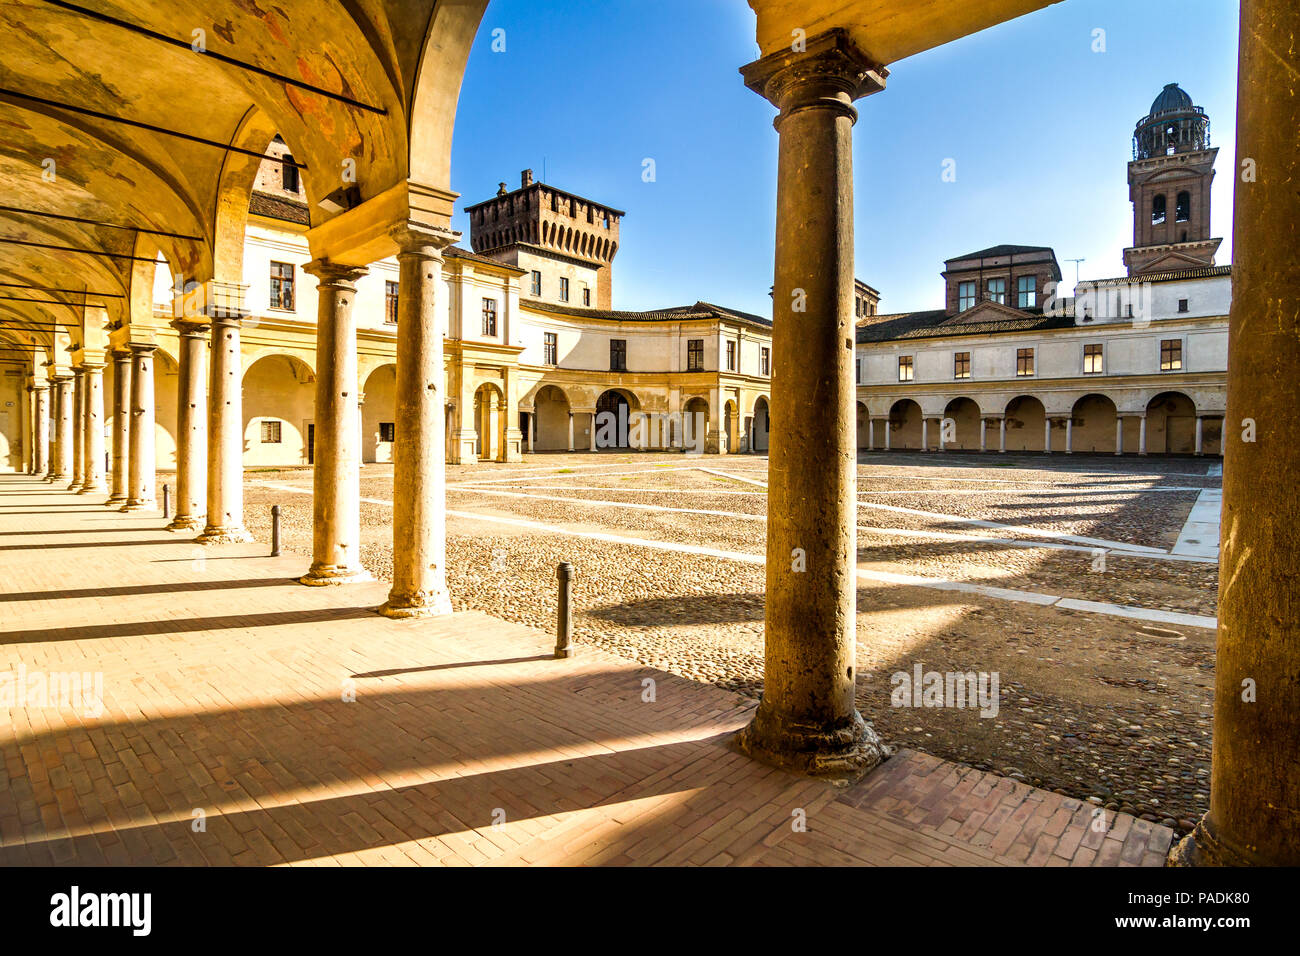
pixel 224 736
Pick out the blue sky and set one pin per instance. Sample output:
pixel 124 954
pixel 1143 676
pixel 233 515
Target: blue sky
pixel 1040 127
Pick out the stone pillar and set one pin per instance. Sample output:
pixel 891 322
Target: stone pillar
pixel 570 431
pixel 141 477
pixel 191 428
pixel 78 428
pixel 925 433
pixel 808 720
pixel 1047 434
pixel 1200 437
pixel 1069 435
pixel 887 431
pixel 120 478
pixel 419 453
pixel 336 480
pixel 92 383
pixel 225 517
pixel 1254 816
pixel 871 433
pixel 41 429
pixel 1002 436
pixel 1142 434
pixel 61 459
pixel 1119 434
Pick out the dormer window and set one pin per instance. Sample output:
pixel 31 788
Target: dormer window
pixel 998 291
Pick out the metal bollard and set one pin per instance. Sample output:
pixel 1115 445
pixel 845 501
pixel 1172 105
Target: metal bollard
pixel 564 616
pixel 167 501
pixel 275 531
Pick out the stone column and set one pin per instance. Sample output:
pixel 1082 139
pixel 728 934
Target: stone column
pixel 141 477
pixel 1002 436
pixel 925 433
pixel 570 431
pixel 92 384
pixel 191 428
pixel 984 433
pixel 1254 816
pixel 871 433
pixel 41 429
pixel 120 479
pixel 1142 434
pixel 225 517
pixel 336 479
pixel 1047 434
pixel 887 431
pixel 808 720
pixel 62 467
pixel 1119 434
pixel 1069 435
pixel 419 453
pixel 78 428
pixel 1200 437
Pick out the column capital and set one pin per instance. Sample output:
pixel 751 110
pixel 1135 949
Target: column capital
pixel 188 328
pixel 120 355
pixel 827 71
pixel 335 274
pixel 418 239
pixel 94 366
pixel 38 386
pixel 141 348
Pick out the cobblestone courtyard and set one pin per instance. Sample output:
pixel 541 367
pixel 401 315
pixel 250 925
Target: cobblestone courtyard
pixel 1080 581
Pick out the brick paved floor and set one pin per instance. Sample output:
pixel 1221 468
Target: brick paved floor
pixel 224 735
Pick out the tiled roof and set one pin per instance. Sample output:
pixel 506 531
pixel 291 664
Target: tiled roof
pixel 275 207
pixel 700 310
pixel 456 252
pixel 1205 272
pixel 936 323
pixel 1002 250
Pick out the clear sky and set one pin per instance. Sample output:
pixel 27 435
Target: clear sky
pixel 1039 125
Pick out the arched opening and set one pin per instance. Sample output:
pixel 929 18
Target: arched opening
pixel 279 412
pixel 551 413
pixel 166 383
pixel 611 424
pixel 378 415
pixel 1093 424
pixel 1158 209
pixel 905 424
pixel 761 427
pixel 489 415
pixel 864 427
pixel 1183 207
pixel 1026 418
pixel 1171 424
pixel 960 427
pixel 695 424
pixel 730 434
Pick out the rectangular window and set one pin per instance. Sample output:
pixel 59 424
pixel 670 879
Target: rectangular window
pixel 731 356
pixel 537 283
pixel 1092 359
pixel 905 371
pixel 489 316
pixel 390 302
pixel 289 174
pixel 586 295
pixel 550 349
pixel 618 355
pixel 270 433
pixel 564 290
pixel 764 361
pixel 1024 362
pixel 1182 305
pixel 857 371
pixel 961 365
pixel 1171 355
pixel 282 286
pixel 1027 292
pixel 965 295
pixel 695 355
pixel 387 431
pixel 998 291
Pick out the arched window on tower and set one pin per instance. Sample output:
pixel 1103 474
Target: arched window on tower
pixel 1183 207
pixel 1158 210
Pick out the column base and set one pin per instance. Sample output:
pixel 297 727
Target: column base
pixel 134 504
pixel 75 486
pixel 322 575
pixel 841 754
pixel 421 604
pixel 186 523
pixel 117 500
pixel 224 535
pixel 93 489
pixel 1202 848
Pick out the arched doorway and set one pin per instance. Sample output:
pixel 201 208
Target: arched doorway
pixel 489 418
pixel 1026 418
pixel 730 435
pixel 761 427
pixel 551 414
pixel 963 434
pixel 279 412
pixel 695 425
pixel 612 421
pixel 905 424
pixel 378 415
pixel 1171 424
pixel 864 428
pixel 1093 424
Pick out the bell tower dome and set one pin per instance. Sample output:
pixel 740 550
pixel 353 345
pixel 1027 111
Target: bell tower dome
pixel 1169 185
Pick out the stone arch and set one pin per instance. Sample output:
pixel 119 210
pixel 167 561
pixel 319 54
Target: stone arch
pixel 695 423
pixel 278 388
pixel 234 190
pixel 730 427
pixel 760 425
pixel 967 421
pixel 904 424
pixel 552 409
pixel 1171 424
pixel 489 421
pixel 1092 427
pixel 379 413
pixel 863 426
pixel 1026 420
pixel 611 421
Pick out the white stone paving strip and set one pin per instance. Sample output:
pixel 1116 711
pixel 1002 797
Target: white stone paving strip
pixel 885 577
pixel 1200 534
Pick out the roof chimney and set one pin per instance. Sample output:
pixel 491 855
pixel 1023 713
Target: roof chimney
pixel 525 179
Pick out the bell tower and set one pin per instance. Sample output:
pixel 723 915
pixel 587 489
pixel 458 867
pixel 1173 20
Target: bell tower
pixel 1169 185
